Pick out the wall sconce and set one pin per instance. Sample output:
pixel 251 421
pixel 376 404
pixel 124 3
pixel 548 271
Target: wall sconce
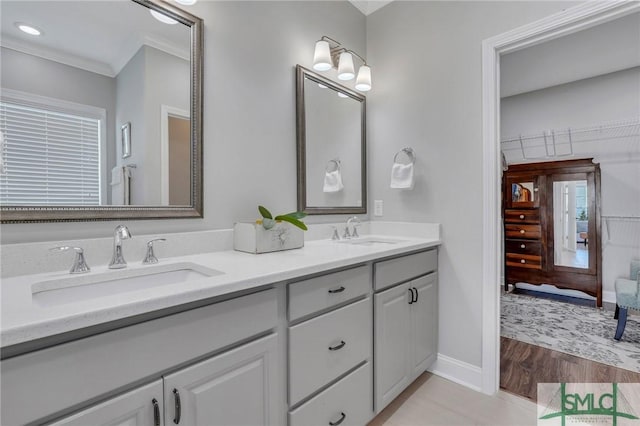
pixel 329 51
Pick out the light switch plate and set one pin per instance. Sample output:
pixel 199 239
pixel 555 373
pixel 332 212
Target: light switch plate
pixel 378 207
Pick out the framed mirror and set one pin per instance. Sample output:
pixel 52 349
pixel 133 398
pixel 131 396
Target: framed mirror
pixel 100 114
pixel 331 146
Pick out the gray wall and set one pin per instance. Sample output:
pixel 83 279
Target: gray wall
pixel 426 58
pixel 251 49
pixel 43 77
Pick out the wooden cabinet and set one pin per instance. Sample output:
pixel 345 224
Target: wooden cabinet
pixel 140 407
pixel 549 209
pixel 406 330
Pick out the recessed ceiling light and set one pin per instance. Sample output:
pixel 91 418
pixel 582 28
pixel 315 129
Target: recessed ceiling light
pixel 29 29
pixel 163 18
pixel 187 2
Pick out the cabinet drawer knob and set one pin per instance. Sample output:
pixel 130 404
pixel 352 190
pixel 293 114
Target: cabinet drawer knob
pixel 340 420
pixel 523 261
pixel 336 290
pixel 521 216
pixel 338 346
pixel 522 231
pixel 523 246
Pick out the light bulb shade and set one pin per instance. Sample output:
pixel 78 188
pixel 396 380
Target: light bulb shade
pixel 322 56
pixel 363 82
pixel 346 70
pixel 162 17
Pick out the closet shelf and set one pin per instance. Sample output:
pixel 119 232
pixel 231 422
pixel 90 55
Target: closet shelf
pixel 560 143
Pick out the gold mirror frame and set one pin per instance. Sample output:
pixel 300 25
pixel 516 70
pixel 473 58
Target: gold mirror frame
pixel 22 214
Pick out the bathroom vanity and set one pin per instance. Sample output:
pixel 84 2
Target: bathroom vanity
pixel 280 338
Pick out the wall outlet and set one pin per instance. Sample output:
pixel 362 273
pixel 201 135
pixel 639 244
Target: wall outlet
pixel 378 206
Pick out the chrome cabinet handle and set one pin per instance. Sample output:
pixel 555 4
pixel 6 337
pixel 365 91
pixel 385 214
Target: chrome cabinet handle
pixel 522 246
pixel 521 216
pixel 338 346
pixel 340 420
pixel 156 412
pixel 337 290
pixel 523 261
pixel 178 406
pixel 522 231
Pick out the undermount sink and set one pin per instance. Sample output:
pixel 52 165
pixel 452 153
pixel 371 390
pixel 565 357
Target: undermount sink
pixel 371 241
pixel 90 286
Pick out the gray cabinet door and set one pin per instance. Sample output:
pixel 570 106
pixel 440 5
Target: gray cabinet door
pixel 237 387
pixel 424 324
pixel 140 407
pixel 392 357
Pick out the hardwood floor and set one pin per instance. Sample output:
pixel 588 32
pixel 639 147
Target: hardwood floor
pixel 523 366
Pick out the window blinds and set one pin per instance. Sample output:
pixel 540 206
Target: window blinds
pixel 49 157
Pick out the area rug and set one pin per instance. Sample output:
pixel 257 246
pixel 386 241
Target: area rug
pixel 576 330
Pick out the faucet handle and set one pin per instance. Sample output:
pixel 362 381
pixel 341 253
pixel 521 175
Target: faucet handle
pixel 79 263
pixel 354 234
pixel 150 258
pixel 335 236
pixel 346 235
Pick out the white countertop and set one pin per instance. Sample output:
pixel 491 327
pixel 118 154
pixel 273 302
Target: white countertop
pixel 24 320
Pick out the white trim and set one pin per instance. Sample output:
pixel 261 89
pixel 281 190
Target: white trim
pixel 609 296
pixel 458 371
pixel 166 111
pixel 575 19
pixel 64 106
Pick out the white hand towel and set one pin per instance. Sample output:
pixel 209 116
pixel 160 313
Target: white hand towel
pixel 333 181
pixel 402 176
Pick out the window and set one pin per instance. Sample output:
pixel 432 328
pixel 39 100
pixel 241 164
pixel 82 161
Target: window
pixel 50 155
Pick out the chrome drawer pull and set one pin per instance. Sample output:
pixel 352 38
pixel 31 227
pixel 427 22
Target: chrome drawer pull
pixel 337 422
pixel 521 216
pixel 339 346
pixel 522 246
pixel 337 290
pixel 523 261
pixel 522 231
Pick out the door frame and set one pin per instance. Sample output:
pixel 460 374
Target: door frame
pixel 167 111
pixel 569 21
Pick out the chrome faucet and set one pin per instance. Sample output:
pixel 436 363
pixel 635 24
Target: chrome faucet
pixel 121 233
pixel 353 234
pixel 79 263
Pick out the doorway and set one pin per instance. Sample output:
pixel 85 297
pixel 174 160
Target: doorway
pixel 570 21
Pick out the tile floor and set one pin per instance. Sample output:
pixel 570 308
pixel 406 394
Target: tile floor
pixel 432 400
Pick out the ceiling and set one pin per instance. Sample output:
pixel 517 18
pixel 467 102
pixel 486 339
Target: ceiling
pixel 368 7
pixel 98 36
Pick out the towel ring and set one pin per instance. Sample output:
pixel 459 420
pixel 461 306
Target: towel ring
pixel 335 162
pixel 409 152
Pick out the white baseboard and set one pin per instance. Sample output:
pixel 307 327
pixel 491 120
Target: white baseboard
pixel 609 296
pixel 460 372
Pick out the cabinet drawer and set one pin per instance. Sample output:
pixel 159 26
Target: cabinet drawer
pixel 523 247
pixel 522 216
pixel 524 261
pixel 522 231
pixel 350 399
pixel 328 346
pixel 315 294
pixel 394 271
